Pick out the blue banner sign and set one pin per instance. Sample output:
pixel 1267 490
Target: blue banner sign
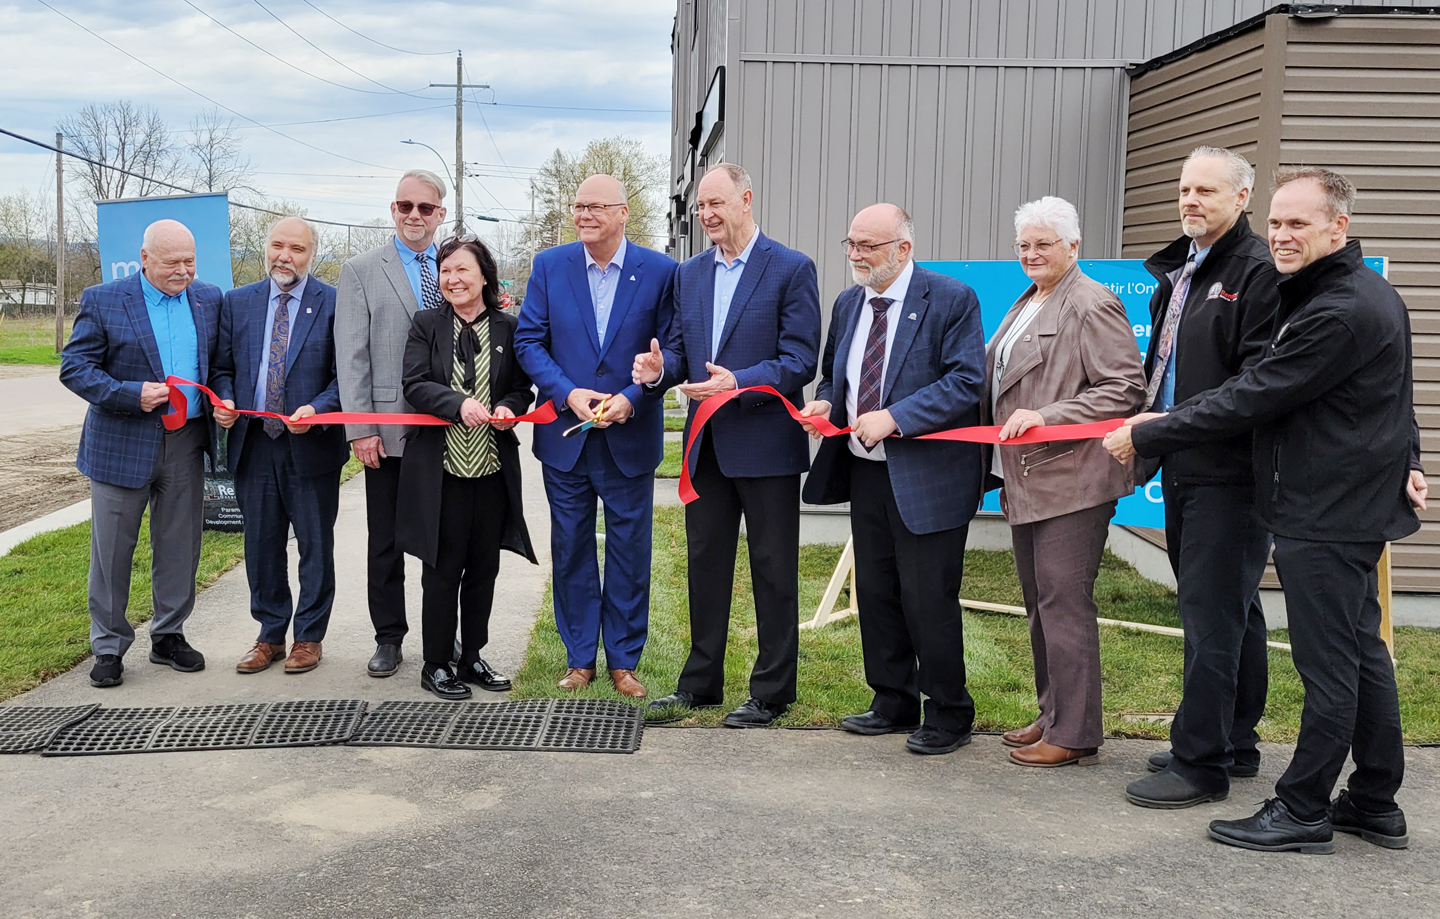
pixel 121 225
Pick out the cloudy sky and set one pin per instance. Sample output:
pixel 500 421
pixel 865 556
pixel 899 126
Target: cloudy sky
pixel 336 100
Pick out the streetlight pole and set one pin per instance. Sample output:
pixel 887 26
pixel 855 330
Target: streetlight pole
pixel 460 85
pixel 459 222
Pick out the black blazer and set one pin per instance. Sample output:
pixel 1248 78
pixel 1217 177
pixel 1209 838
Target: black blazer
pixel 429 362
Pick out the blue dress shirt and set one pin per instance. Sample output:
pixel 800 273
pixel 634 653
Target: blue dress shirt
pixel 603 284
pixel 263 373
pixel 175 337
pixel 412 267
pixel 1167 382
pixel 727 279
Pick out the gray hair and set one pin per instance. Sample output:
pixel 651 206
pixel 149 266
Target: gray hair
pixel 1339 191
pixel 428 178
pixel 737 174
pixel 905 226
pixel 1055 213
pixel 314 234
pixel 1238 171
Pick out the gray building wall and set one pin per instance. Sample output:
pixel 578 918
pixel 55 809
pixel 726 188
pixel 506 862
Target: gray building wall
pixel 959 110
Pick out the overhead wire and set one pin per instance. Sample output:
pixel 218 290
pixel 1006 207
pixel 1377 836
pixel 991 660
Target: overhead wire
pixel 332 57
pixel 367 37
pixel 408 111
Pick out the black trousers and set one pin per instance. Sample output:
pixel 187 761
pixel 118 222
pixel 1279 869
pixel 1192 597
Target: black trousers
pixel 473 514
pixel 1351 704
pixel 385 563
pixel 771 508
pixel 907 590
pixel 1218 548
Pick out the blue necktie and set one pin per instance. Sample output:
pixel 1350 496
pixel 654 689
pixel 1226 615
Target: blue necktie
pixel 275 372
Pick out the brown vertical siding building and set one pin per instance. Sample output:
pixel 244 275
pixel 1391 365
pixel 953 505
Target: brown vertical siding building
pixel 1353 89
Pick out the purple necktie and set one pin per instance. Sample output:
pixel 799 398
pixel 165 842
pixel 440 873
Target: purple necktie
pixel 275 372
pixel 872 363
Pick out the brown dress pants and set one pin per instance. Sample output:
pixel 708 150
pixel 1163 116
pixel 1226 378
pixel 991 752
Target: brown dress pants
pixel 1057 561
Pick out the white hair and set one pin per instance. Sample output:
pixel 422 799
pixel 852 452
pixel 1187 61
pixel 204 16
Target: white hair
pixel 737 174
pixel 428 178
pixel 1053 213
pixel 1238 171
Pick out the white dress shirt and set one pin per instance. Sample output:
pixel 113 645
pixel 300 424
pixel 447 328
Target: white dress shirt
pixel 895 293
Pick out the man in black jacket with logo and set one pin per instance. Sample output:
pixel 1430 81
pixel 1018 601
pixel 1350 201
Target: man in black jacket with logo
pixel 1336 457
pixel 1211 313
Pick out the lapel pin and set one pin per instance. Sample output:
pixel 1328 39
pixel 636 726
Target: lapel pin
pixel 912 315
pixel 308 310
pixel 1026 338
pixel 499 349
pixel 632 277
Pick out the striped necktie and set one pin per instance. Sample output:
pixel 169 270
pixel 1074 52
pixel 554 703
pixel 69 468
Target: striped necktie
pixel 872 363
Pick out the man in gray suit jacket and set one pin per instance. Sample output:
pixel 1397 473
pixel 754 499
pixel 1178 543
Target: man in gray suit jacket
pixel 378 294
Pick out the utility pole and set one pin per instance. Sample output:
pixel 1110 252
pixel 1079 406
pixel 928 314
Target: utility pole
pixel 460 86
pixel 59 242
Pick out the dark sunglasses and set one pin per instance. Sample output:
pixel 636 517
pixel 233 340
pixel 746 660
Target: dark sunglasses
pixel 406 207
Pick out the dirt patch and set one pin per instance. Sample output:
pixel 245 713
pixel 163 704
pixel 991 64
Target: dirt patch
pixel 38 474
pixel 13 371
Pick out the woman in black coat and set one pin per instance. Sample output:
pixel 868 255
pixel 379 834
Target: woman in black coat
pixel 459 501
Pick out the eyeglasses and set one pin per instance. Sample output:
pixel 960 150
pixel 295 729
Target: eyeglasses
pixel 405 207
pixel 864 248
pixel 596 209
pixel 1040 248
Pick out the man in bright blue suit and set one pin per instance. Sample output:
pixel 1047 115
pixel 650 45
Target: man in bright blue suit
pixel 130 335
pixel 747 313
pixel 276 353
pixel 905 356
pixel 589 308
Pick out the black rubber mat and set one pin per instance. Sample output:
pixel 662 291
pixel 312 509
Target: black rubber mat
pixel 27 728
pixel 559 725
pixel 210 727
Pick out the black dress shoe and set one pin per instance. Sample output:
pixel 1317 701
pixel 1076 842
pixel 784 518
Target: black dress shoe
pixel 1237 770
pixel 1169 790
pixel 872 723
pixel 385 662
pixel 174 650
pixel 932 740
pixel 754 713
pixel 1275 829
pixel 108 671
pixel 483 675
pixel 674 706
pixel 438 679
pixel 1385 829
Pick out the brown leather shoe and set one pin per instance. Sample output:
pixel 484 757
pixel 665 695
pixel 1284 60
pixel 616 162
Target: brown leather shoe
pixel 626 684
pixel 1022 737
pixel 304 657
pixel 1047 755
pixel 260 657
pixel 576 678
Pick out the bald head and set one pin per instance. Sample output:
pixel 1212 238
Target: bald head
pixel 601 186
pixel 600 214
pixel 881 239
pixel 288 250
pixel 167 256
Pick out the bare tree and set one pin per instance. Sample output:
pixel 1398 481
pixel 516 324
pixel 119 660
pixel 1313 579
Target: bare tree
pixel 27 250
pixel 645 177
pixel 132 137
pixel 216 160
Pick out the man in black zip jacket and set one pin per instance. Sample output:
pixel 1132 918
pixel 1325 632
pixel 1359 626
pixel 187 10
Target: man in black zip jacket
pixel 1336 457
pixel 1211 313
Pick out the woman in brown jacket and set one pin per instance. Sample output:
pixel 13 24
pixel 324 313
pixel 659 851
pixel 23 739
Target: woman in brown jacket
pixel 1065 354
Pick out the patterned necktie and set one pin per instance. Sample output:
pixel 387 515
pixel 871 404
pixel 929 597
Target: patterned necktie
pixel 275 371
pixel 471 452
pixel 872 363
pixel 431 298
pixel 1167 331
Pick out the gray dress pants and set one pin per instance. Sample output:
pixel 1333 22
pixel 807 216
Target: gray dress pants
pixel 175 495
pixel 1057 561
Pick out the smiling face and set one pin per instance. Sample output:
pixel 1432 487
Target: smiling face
pixel 602 221
pixel 288 252
pixel 1208 205
pixel 877 226
pixel 415 229
pixel 1301 228
pixel 724 210
pixel 461 281
pixel 168 258
pixel 1046 257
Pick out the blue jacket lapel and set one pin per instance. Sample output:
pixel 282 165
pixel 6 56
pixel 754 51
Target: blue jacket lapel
pixel 749 278
pixel 580 286
pixel 916 302
pixel 847 315
pixel 631 273
pixel 202 336
pixel 140 319
pixel 302 319
pixel 707 300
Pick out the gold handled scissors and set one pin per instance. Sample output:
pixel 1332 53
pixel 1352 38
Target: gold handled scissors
pixel 587 425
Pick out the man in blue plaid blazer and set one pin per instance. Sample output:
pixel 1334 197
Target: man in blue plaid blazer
pixel 905 356
pixel 129 336
pixel 747 313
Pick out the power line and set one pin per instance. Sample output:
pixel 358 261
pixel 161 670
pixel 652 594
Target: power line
pixel 298 69
pixel 476 99
pixel 287 124
pixel 578 108
pixel 328 54
pixel 366 37
pixel 151 67
pixel 154 181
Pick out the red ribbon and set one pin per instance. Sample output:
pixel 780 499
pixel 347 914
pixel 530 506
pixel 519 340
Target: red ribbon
pixel 979 434
pixel 176 419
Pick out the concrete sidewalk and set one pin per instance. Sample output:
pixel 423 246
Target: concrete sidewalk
pixel 698 823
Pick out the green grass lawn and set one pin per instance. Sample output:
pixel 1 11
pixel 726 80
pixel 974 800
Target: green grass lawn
pixel 29 341
pixel 674 423
pixel 44 620
pixel 669 467
pixel 1141 671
